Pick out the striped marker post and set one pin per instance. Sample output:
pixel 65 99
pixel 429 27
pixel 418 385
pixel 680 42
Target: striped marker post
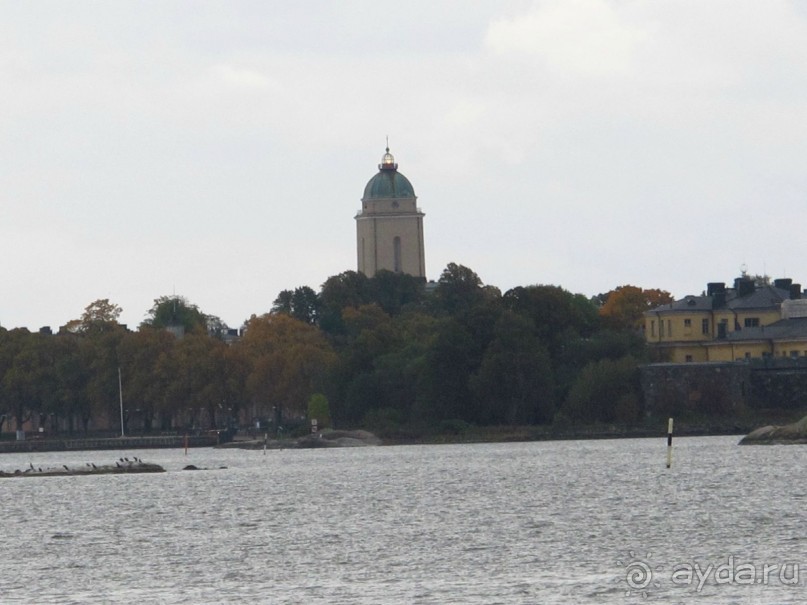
pixel 669 442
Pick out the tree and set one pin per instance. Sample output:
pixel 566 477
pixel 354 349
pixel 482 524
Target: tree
pixel 30 383
pixel 99 316
pixel 175 312
pixel 442 390
pixel 319 410
pixel 395 291
pixel 146 386
pixel 290 361
pixel 514 382
pixel 458 290
pixel 11 343
pixel 605 391
pixel 100 353
pixel 558 315
pixel 347 289
pixel 73 377
pixel 624 307
pixel 302 303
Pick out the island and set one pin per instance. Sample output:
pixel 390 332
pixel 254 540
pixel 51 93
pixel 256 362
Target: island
pixel 121 466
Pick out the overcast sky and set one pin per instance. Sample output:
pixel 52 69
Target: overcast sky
pixel 219 150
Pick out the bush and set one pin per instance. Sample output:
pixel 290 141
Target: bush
pixel 319 409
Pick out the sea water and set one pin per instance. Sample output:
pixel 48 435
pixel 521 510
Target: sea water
pixel 547 522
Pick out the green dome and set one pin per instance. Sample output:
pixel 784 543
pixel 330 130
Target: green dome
pixel 388 182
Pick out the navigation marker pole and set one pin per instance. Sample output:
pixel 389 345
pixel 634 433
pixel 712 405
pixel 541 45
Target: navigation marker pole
pixel 669 442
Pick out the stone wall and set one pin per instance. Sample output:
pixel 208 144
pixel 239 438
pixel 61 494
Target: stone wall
pixel 723 388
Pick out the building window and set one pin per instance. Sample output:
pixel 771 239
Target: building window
pixel 661 328
pixel 751 322
pixel 652 327
pixel 794 354
pixel 396 246
pixel 705 326
pixel 687 323
pixel 669 328
pixel 747 355
pixel 688 358
pixel 722 328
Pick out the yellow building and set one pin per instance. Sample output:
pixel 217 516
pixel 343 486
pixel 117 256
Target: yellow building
pixel 726 324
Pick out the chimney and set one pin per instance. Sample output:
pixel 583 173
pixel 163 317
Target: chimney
pixel 717 291
pixel 744 286
pixel 783 283
pixel 795 291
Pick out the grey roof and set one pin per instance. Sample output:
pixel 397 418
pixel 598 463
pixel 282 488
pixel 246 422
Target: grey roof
pixel 763 297
pixel 784 329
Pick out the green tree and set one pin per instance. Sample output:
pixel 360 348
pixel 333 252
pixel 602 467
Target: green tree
pixel 442 391
pixel 347 289
pixel 514 383
pixel 605 391
pixel 555 312
pixel 11 343
pixel 458 290
pixel 301 303
pixel 31 384
pixel 100 352
pixel 175 312
pixel 394 292
pixel 142 355
pixel 73 377
pixel 319 410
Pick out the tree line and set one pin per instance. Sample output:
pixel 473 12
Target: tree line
pixel 385 353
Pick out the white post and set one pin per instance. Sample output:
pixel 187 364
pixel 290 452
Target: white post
pixel 120 392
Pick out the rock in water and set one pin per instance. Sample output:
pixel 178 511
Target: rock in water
pixel 773 435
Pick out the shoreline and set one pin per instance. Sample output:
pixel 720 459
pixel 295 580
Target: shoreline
pixel 69 444
pixel 467 434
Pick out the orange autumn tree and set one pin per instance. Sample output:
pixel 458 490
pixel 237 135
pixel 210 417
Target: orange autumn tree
pixel 625 306
pixel 290 360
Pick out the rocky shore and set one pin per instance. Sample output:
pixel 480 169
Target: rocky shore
pixel 795 432
pixel 325 438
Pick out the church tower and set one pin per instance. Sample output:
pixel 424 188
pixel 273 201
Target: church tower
pixel 389 226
